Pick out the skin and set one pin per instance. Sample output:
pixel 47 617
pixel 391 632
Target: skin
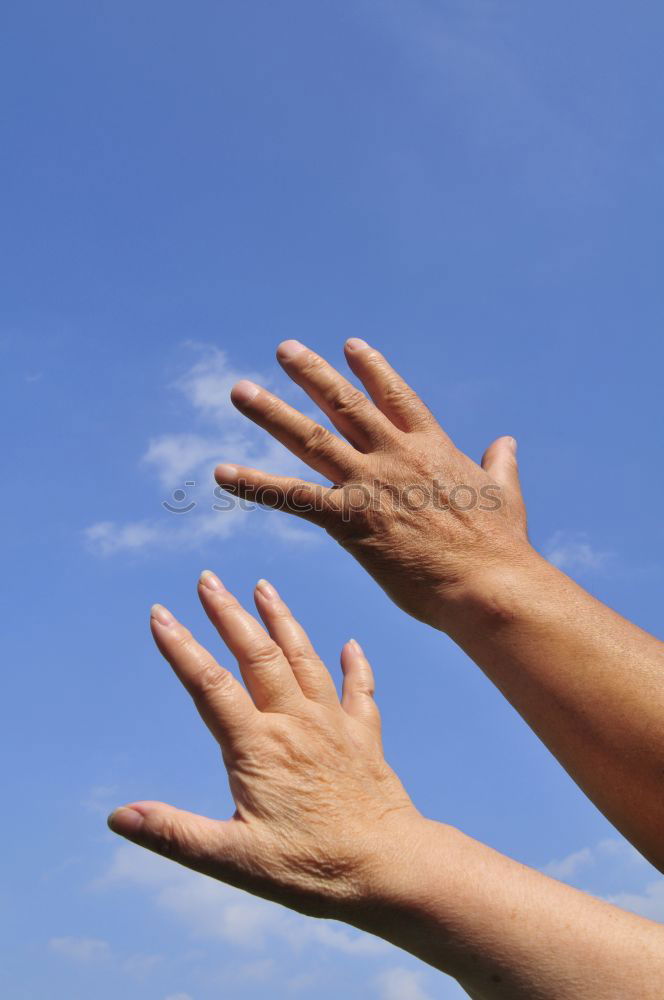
pixel 323 825
pixel 447 540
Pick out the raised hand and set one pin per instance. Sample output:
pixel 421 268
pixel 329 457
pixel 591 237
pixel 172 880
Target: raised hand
pixel 422 517
pixel 311 787
pixel 446 538
pixel 324 826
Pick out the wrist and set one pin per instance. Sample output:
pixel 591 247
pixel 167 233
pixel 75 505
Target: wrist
pixel 491 596
pixel 426 896
pixel 394 872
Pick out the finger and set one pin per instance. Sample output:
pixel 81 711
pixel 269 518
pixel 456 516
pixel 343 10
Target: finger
pixel 314 444
pixel 357 696
pixel 206 845
pixel 311 674
pixel 265 669
pixel 296 496
pixel 500 462
pixel 222 702
pixel 393 397
pixel 347 407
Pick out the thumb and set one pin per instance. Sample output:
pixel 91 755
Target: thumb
pixel 198 842
pixel 499 461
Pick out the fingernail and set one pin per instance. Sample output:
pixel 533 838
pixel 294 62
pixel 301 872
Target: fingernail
pixel 161 614
pixel 356 344
pixel 225 472
pixel 210 580
pixel 356 646
pixel 125 821
pixel 267 590
pixel 513 444
pixel 244 391
pixel 287 350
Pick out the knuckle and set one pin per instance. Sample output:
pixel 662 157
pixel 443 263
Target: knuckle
pixel 166 836
pixel 364 687
pixel 367 687
pixel 226 604
pixel 330 510
pixel 264 655
pixel 346 400
pixel 272 408
pixel 311 365
pixel 373 357
pixel 184 641
pixel 300 652
pixel 211 679
pixel 397 394
pixel 317 441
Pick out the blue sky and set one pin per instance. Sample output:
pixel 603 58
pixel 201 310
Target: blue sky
pixel 474 187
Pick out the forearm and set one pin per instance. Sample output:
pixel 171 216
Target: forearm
pixel 590 684
pixel 504 930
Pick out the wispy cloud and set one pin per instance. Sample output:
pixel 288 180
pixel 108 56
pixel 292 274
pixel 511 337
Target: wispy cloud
pixel 608 852
pixel 566 868
pixel 648 903
pixel 90 951
pixel 208 909
pixel 574 552
pixel 101 799
pixel 614 861
pixel 182 461
pixel 81 949
pixel 401 984
pixel 464 50
pixel 141 966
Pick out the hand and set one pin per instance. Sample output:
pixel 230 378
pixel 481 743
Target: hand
pixel 313 793
pixel 424 519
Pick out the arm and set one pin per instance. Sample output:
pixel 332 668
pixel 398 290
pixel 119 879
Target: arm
pixel 447 540
pixel 324 826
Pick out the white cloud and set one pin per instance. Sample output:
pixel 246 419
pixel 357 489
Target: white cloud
pixel 177 457
pixel 210 909
pixel 140 966
pixel 303 981
pixel 574 552
pixel 401 984
pixel 649 903
pixel 342 939
pixel 614 861
pixel 100 799
pixel 568 867
pixel 80 949
pixel 184 460
pixel 106 537
pixel 259 971
pixel 93 950
pixel 611 853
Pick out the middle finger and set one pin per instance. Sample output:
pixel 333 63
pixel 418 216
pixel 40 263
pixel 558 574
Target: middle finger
pixel 264 668
pixel 350 411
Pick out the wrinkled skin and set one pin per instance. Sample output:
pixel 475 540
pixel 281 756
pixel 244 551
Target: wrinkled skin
pixel 424 519
pixel 313 792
